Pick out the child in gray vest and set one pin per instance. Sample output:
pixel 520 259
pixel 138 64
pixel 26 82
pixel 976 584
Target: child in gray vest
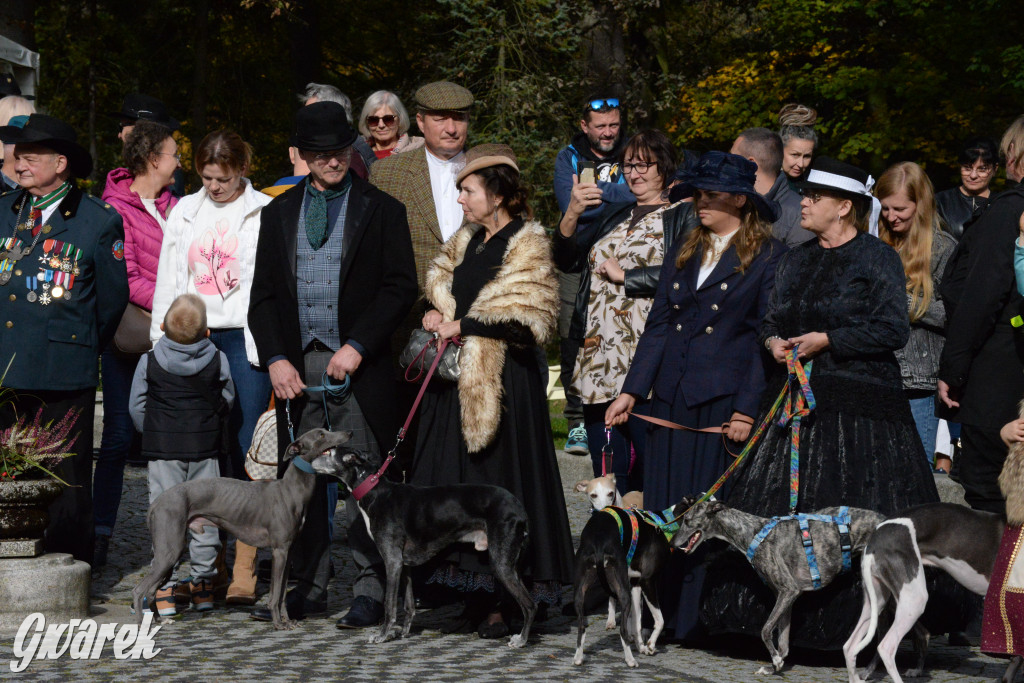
pixel 181 395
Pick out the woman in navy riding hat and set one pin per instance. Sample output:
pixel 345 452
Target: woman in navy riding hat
pixel 700 355
pixel 840 301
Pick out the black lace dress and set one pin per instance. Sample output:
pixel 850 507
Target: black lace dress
pixel 859 447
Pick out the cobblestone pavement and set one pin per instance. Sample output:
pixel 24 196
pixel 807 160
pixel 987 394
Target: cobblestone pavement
pixel 225 645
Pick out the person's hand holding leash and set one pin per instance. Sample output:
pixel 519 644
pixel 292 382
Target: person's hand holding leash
pixel 285 379
pixel 431 319
pixel 811 344
pixel 778 346
pixel 344 362
pixel 449 329
pixel 618 411
pixel 739 427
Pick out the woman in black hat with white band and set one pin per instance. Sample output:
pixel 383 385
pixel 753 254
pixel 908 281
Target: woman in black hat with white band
pixel 699 357
pixel 841 301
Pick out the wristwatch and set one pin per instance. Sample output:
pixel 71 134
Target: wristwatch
pixel 768 341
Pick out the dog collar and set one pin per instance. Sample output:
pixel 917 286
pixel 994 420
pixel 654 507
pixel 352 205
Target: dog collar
pixel 303 465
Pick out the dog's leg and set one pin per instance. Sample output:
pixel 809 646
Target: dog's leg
pixel 1012 668
pixel 585 578
pixel 610 624
pixel 783 603
pixel 910 603
pixel 615 575
pixel 920 635
pixel 278 584
pixel 167 548
pixel 391 553
pixel 410 601
pixel 635 593
pixel 650 590
pixel 859 631
pixel 504 548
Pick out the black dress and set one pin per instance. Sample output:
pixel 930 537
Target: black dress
pixel 859 447
pixel 521 458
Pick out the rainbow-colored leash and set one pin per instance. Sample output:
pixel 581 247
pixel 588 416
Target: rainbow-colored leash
pixel 796 408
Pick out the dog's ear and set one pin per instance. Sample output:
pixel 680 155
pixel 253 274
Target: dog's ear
pixel 683 505
pixel 292 450
pixel 715 507
pixel 581 486
pixel 351 458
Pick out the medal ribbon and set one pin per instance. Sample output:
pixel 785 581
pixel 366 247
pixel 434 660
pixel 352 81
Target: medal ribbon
pixel 47 200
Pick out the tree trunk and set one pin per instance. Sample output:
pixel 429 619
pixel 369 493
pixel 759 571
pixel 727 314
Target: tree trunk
pixel 304 36
pixel 200 76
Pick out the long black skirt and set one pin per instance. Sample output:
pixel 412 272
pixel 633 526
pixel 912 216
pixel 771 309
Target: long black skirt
pixel 870 458
pixel 681 463
pixel 521 458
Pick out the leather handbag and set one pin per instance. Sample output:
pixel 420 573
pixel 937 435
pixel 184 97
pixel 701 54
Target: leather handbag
pixel 262 456
pixel 132 335
pixel 419 354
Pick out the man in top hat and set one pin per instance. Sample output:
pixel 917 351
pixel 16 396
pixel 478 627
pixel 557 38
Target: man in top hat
pixel 334 277
pixel 138 106
pixel 63 288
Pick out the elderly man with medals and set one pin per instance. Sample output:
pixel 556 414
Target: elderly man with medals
pixel 63 288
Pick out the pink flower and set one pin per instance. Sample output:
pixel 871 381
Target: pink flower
pixel 210 259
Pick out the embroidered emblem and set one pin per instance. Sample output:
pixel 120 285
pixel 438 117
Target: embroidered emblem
pixel 118 250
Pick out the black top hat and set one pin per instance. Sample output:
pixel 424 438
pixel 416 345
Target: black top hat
pixel 137 106
pixel 722 172
pixel 9 86
pixel 322 127
pixel 54 134
pixel 836 176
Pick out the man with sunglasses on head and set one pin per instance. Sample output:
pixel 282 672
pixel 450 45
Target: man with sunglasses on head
pixel 599 142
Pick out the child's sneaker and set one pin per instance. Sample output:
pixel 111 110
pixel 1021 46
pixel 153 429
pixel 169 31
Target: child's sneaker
pixel 183 591
pixel 165 602
pixel 202 595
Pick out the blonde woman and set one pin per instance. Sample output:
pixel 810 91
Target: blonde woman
pixel 910 225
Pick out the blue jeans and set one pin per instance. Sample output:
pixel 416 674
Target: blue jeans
pixel 923 410
pixel 118 432
pixel 632 434
pixel 252 396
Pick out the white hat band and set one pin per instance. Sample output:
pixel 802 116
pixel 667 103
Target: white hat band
pixel 840 182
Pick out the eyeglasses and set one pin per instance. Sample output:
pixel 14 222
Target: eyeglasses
pixel 982 170
pixel 176 155
pixel 388 119
pixel 603 104
pixel 813 195
pixel 640 167
pixel 339 154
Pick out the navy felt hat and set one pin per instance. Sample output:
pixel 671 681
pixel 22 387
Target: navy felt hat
pixel 322 127
pixel 54 134
pixel 723 172
pixel 138 106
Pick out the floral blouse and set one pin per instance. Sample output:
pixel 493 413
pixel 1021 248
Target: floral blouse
pixel 615 321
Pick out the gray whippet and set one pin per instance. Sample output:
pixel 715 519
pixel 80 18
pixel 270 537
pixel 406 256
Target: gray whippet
pixel 780 559
pixel 960 541
pixel 263 514
pixel 411 524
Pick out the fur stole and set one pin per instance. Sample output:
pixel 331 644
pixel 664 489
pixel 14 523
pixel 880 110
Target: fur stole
pixel 524 290
pixel 1011 481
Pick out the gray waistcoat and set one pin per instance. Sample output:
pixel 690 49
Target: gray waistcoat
pixel 316 273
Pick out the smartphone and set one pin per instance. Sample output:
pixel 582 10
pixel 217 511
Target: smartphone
pixel 586 171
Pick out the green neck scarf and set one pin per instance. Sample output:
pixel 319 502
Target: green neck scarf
pixel 316 213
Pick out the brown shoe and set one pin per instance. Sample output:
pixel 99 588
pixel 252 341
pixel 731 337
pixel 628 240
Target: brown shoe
pixel 202 595
pixel 242 590
pixel 183 592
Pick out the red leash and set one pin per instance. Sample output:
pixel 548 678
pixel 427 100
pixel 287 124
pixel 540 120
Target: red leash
pixel 367 485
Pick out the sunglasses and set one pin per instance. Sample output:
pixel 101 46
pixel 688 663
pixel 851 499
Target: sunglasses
pixel 388 119
pixel 603 104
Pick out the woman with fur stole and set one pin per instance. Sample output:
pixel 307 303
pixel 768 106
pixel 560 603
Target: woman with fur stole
pixel 494 285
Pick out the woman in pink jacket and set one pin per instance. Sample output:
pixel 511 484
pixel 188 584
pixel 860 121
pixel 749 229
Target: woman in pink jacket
pixel 140 193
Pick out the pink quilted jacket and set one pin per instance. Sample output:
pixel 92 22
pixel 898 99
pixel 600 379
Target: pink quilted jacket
pixel 142 234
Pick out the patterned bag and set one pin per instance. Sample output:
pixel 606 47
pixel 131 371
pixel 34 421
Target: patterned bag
pixel 418 355
pixel 261 459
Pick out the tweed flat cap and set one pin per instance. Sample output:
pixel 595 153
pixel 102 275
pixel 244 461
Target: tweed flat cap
pixel 443 96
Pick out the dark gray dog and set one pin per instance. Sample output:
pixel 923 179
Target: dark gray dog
pixel 412 524
pixel 960 541
pixel 780 559
pixel 263 514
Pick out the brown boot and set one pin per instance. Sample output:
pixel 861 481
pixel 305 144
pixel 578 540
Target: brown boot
pixel 242 590
pixel 222 579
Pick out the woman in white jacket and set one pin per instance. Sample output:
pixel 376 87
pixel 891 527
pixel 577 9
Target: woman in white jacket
pixel 209 249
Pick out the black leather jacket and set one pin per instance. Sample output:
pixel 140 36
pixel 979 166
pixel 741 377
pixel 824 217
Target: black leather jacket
pixel 572 255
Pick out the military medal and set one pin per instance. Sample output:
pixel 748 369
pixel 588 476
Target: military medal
pixel 6 266
pixel 31 283
pixel 44 299
pixel 62 283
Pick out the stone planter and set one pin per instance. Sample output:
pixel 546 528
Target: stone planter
pixel 24 507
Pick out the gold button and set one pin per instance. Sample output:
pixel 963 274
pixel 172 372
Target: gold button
pixel 679 328
pixel 9 324
pixel 675 306
pixel 47 229
pixel 12 297
pixel 74 336
pixel 724 286
pixel 17 273
pixel 708 329
pixel 675 285
pixel 714 307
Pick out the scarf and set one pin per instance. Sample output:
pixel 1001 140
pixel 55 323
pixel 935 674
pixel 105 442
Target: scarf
pixel 316 214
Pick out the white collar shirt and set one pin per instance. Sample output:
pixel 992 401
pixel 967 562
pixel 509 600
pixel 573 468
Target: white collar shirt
pixel 446 195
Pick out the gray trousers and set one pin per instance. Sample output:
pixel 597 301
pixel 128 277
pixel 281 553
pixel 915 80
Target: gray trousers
pixel 311 553
pixel 202 548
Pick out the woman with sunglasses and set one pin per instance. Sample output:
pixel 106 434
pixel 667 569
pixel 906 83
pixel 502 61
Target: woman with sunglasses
pixel 209 249
pixel 619 258
pixel 979 161
pixel 840 304
pixel 384 124
pixel 141 193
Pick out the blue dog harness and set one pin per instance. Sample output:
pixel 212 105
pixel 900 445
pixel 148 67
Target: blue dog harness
pixel 635 516
pixel 842 521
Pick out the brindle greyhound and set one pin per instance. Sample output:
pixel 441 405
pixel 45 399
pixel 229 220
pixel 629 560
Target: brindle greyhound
pixel 263 514
pixel 780 559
